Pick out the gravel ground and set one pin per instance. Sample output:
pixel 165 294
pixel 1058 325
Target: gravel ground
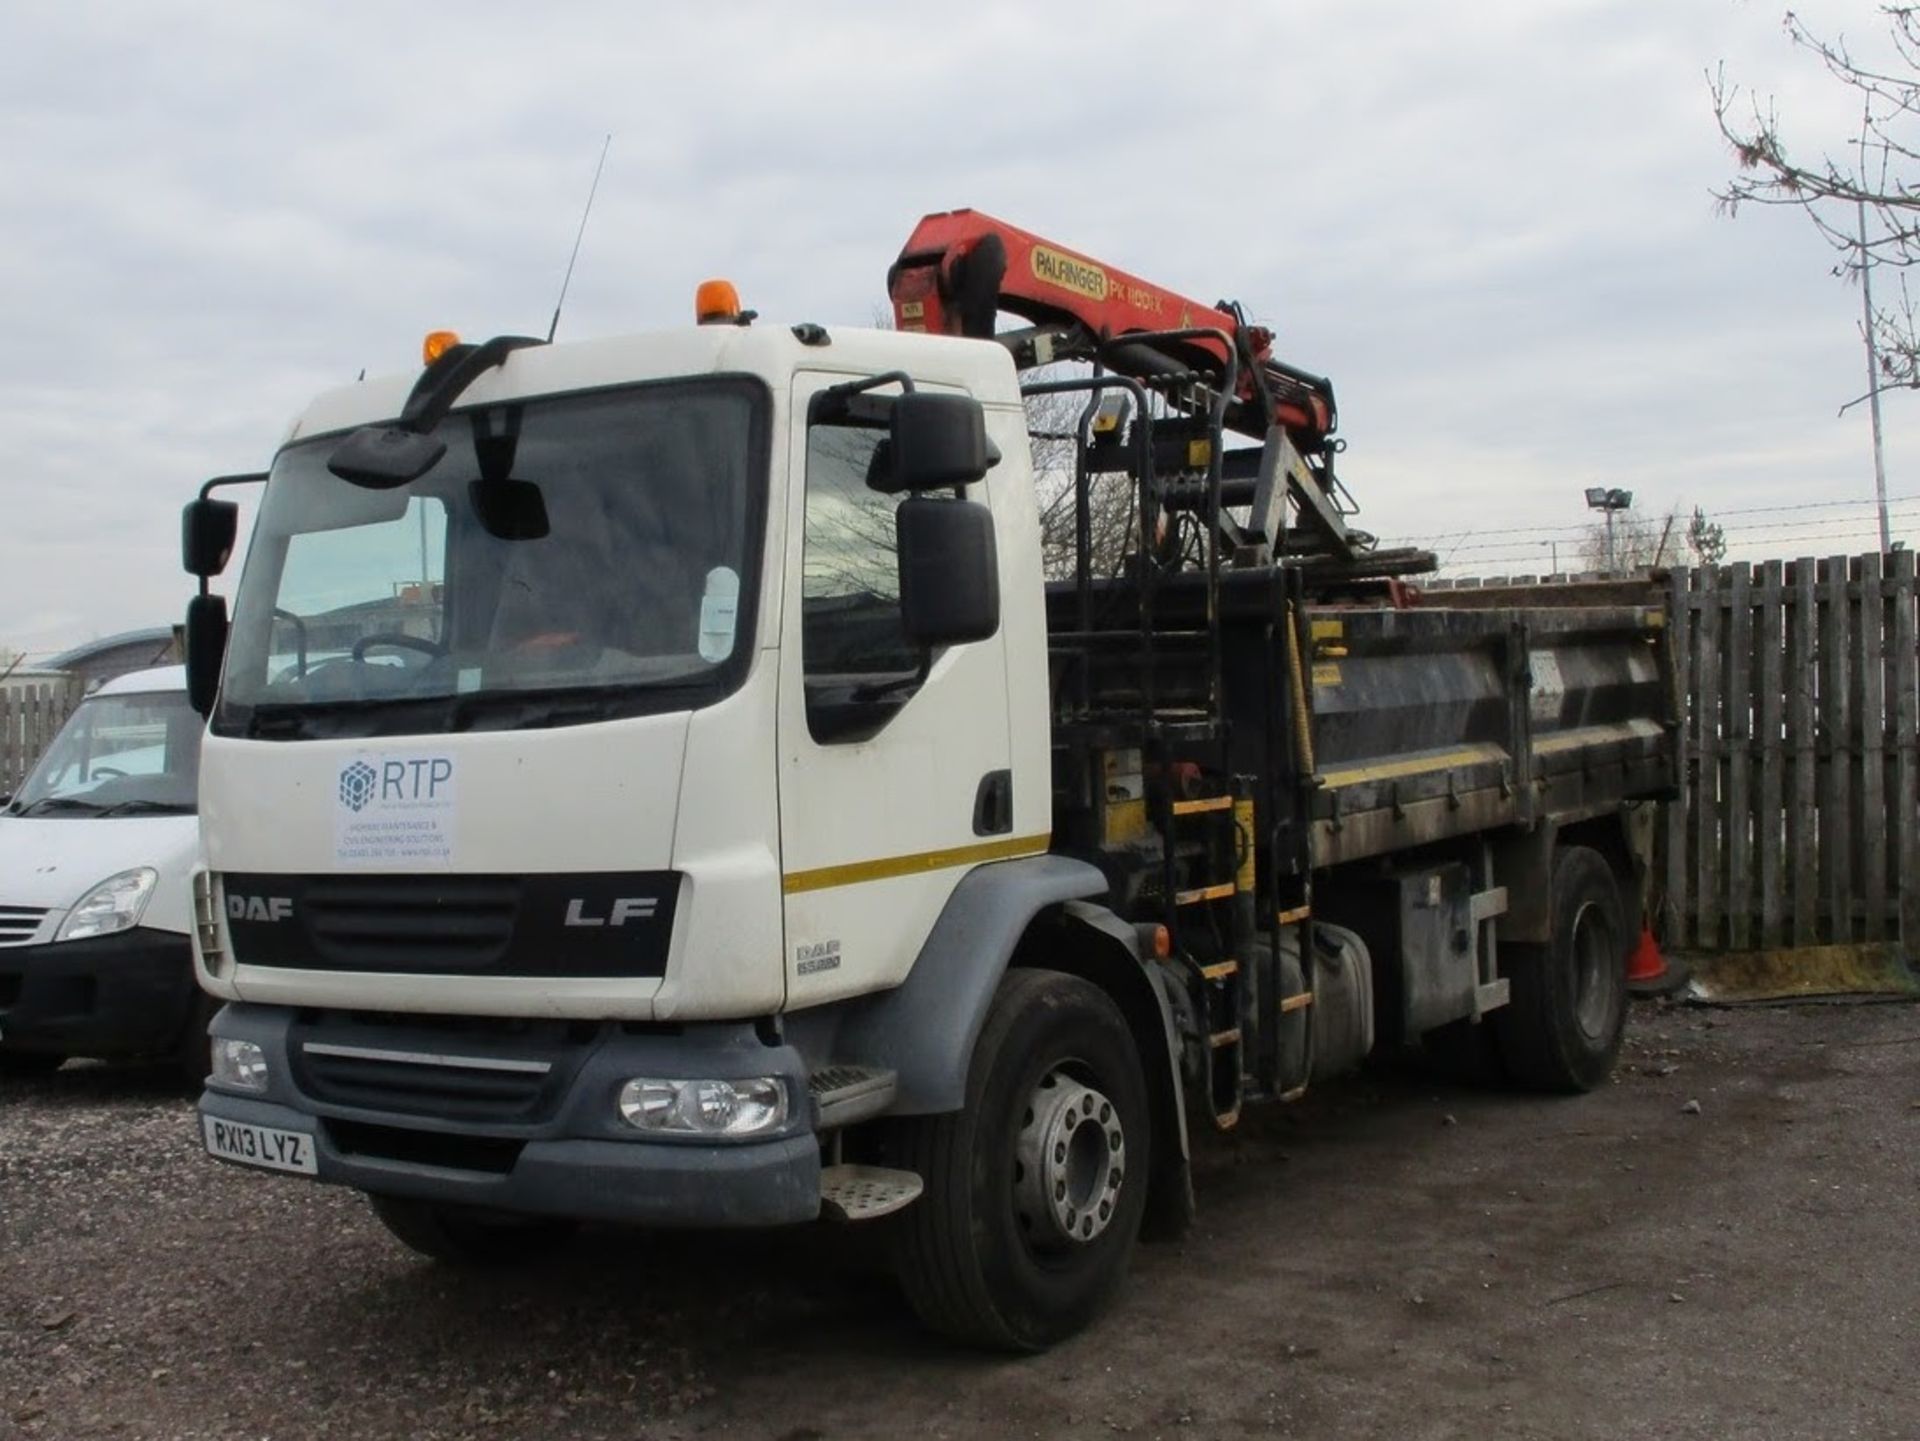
pixel 1391 1258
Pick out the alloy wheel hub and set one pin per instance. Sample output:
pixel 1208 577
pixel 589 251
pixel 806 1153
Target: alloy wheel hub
pixel 1070 1162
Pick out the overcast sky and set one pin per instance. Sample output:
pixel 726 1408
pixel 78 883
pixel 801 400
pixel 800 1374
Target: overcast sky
pixel 1492 224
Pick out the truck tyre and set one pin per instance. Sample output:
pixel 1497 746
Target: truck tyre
pixel 1561 1029
pixel 465 1235
pixel 1034 1191
pixel 23 1064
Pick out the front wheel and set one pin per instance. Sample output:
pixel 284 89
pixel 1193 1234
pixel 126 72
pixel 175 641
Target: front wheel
pixel 1035 1191
pixel 1561 1028
pixel 466 1235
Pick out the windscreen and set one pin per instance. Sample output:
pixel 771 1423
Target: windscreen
pixel 568 559
pixel 118 755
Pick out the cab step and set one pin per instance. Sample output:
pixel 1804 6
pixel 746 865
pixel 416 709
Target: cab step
pixel 865 1193
pixel 843 1095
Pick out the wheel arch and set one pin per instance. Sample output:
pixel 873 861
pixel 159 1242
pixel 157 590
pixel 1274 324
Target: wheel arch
pixel 1523 863
pixel 925 1028
pixel 1038 913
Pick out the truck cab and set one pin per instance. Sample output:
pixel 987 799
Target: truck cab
pixel 557 802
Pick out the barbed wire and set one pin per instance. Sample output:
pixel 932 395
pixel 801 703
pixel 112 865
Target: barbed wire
pixel 1645 519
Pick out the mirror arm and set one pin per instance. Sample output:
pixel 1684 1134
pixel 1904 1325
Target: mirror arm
pixel 436 391
pixel 836 401
pixel 251 477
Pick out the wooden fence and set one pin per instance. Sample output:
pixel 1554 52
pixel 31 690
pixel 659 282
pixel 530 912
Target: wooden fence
pixel 1799 824
pixel 30 716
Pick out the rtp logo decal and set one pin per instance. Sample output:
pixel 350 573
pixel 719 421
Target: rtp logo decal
pixel 394 808
pixel 356 785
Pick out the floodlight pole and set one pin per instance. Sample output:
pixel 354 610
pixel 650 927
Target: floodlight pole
pixel 1608 499
pixel 1873 380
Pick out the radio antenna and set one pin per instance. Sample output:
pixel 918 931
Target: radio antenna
pixel 578 236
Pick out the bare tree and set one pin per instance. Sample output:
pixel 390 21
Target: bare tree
pixel 1867 205
pixel 1053 431
pixel 1641 541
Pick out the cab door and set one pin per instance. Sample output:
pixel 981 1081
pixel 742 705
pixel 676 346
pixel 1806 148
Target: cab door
pixel 895 764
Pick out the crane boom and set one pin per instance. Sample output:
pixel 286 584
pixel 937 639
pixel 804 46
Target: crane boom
pixel 960 268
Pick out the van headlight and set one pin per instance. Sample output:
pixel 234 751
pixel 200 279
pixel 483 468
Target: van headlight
pixel 705 1108
pixel 115 905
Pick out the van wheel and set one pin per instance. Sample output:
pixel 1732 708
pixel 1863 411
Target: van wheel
pixel 1035 1191
pixel 24 1064
pixel 467 1235
pixel 1561 1029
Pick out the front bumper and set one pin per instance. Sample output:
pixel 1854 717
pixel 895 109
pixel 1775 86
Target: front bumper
pixel 429 1128
pixel 120 995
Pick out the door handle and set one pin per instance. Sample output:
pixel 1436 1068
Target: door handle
pixel 993 804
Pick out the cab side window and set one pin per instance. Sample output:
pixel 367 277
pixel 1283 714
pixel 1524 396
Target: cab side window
pixel 860 668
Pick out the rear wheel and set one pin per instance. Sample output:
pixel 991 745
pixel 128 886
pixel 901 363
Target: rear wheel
pixel 467 1235
pixel 1561 1029
pixel 1035 1191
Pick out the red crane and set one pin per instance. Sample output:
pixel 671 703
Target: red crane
pixel 960 269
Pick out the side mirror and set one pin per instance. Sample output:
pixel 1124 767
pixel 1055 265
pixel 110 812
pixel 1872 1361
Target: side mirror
pixel 206 649
pixel 207 531
pixel 949 571
pixel 934 441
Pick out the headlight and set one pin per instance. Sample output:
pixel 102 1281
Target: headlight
pixel 239 1064
pixel 705 1108
pixel 116 904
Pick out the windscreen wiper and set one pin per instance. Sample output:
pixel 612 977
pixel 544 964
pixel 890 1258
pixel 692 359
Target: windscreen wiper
pixel 48 805
pixel 145 806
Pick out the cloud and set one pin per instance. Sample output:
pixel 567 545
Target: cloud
pixel 1492 226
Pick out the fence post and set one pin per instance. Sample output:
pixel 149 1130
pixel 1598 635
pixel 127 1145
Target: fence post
pixel 1804 815
pixel 1906 719
pixel 1675 931
pixel 1737 736
pixel 1709 750
pixel 1835 836
pixel 1869 695
pixel 1770 643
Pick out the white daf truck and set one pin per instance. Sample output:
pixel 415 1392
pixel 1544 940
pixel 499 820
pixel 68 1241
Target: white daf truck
pixel 649 780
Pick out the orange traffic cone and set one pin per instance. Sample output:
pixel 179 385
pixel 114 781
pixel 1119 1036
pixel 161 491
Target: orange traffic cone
pixel 1646 967
pixel 1646 963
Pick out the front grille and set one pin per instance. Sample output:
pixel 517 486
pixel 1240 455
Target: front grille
pixel 424 1148
pixel 432 923
pixel 599 923
pixel 19 924
pixel 456 1087
pixel 504 1074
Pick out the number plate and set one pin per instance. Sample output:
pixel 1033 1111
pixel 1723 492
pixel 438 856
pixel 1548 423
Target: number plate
pixel 259 1146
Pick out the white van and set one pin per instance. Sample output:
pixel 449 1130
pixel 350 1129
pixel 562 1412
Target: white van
pixel 95 852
